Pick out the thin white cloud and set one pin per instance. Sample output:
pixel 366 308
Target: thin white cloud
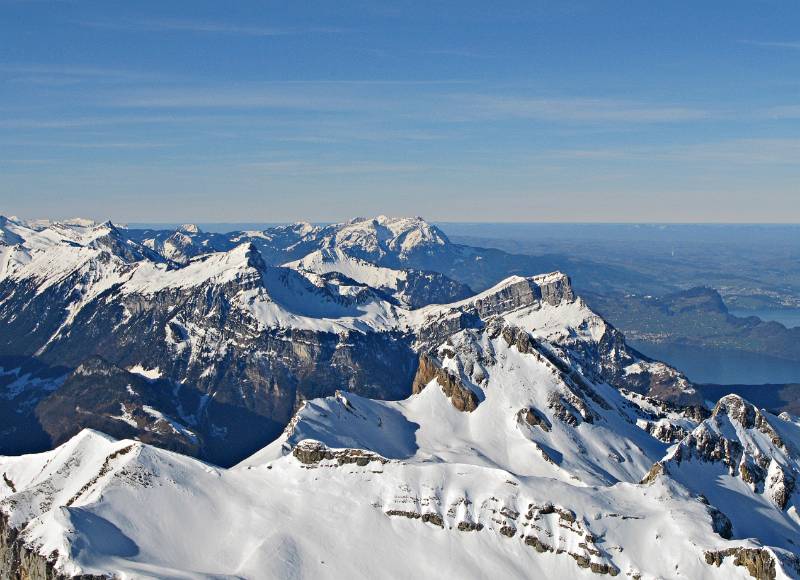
pixel 24 162
pixel 115 145
pixel 420 99
pixel 233 98
pixel 71 70
pixel 792 44
pixel 192 26
pixel 569 109
pixel 83 122
pixel 453 52
pixel 782 112
pixel 312 95
pixel 299 167
pixel 67 74
pixel 92 143
pixel 733 152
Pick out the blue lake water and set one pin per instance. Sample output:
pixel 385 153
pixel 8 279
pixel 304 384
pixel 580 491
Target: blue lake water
pixel 723 367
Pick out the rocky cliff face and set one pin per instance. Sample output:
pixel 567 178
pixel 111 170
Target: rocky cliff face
pixel 19 562
pixel 462 397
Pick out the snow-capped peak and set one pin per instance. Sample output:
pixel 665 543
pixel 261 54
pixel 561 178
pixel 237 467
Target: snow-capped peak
pixel 303 228
pixel 189 229
pixel 81 222
pixel 221 267
pixel 382 237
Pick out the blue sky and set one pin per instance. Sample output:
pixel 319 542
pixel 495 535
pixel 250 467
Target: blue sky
pixel 459 111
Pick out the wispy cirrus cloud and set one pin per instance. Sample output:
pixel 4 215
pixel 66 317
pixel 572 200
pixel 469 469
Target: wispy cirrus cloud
pixel 235 98
pixel 435 100
pixel 205 27
pixel 312 95
pixel 294 167
pixel 87 122
pixel 113 145
pixel 570 109
pixel 751 151
pixel 791 44
pixel 782 112
pixel 62 75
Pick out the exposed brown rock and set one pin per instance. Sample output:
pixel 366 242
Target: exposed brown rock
pixel 561 410
pixel 652 475
pixel 603 568
pixel 9 483
pixel 508 531
pixel 720 523
pixel 758 561
pixel 312 452
pixel 535 418
pixel 537 544
pixel 748 416
pixel 19 562
pixel 429 369
pixel 427 517
pixel 545 455
pixel 781 485
pixel 469 527
pixel 666 432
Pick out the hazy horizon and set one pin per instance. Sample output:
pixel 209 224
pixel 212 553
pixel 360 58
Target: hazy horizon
pixel 217 226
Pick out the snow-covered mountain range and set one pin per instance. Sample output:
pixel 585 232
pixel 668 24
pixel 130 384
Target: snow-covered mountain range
pixel 212 356
pixel 376 417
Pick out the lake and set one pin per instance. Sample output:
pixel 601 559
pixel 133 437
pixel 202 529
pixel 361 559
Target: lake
pixel 725 367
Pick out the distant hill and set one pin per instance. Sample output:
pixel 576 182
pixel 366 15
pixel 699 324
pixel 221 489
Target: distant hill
pixel 697 316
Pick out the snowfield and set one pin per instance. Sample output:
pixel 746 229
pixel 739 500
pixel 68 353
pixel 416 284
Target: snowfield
pixel 422 502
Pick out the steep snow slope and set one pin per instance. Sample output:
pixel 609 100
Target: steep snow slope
pixel 336 260
pixel 529 421
pixel 397 499
pixel 408 287
pixel 745 461
pixel 48 256
pixel 53 271
pixel 92 259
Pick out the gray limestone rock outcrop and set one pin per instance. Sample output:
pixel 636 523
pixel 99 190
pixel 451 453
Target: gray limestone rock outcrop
pixel 311 453
pixel 19 562
pixel 759 562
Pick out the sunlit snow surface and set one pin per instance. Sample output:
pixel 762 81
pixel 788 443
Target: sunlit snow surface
pixel 144 512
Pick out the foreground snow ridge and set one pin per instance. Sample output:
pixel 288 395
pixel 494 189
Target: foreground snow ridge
pixel 357 488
